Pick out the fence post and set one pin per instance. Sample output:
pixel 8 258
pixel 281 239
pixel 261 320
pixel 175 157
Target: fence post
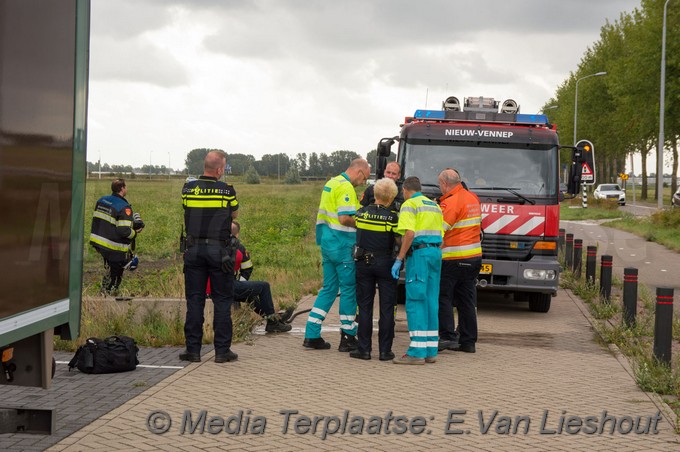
pixel 569 251
pixel 606 278
pixel 630 294
pixel 591 263
pixel 578 257
pixel 663 324
pixel 560 240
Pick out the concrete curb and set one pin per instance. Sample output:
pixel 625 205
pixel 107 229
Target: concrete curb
pixel 666 411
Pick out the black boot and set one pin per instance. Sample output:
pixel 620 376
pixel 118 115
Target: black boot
pixel 347 343
pixel 275 325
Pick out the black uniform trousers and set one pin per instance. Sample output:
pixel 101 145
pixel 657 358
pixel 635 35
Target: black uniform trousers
pixel 203 261
pixel 114 263
pixel 367 275
pixel 257 292
pixel 458 288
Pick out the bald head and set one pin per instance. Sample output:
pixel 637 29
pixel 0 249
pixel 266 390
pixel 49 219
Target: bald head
pixel 358 171
pixel 448 180
pixel 214 163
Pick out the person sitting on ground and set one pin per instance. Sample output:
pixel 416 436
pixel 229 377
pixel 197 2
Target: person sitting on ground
pixel 257 293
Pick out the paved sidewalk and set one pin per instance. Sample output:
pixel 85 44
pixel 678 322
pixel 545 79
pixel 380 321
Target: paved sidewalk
pixel 527 364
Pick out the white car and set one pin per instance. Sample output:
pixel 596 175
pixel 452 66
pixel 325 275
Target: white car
pixel 610 191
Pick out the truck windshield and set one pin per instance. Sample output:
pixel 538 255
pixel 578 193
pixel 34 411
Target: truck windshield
pixel 528 171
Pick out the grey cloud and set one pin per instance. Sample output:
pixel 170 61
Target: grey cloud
pixel 136 61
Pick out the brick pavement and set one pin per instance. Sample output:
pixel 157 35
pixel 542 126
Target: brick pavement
pixel 79 399
pixel 527 363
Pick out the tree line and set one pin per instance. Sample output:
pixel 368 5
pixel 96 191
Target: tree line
pixel 619 111
pixel 313 164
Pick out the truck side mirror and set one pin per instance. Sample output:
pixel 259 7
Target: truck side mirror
pixel 383 151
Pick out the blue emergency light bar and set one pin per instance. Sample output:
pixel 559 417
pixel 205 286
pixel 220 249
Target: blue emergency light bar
pixel 442 115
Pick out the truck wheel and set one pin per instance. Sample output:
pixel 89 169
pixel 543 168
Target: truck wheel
pixel 539 302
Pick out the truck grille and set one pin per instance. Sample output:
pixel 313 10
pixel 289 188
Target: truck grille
pixel 507 247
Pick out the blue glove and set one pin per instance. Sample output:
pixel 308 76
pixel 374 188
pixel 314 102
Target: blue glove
pixel 395 269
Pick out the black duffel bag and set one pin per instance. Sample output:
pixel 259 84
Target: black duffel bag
pixel 104 356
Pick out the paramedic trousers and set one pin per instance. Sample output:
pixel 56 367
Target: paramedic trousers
pixel 423 270
pixel 458 290
pixel 201 262
pixel 338 275
pixel 378 270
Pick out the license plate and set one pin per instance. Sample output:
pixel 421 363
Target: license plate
pixel 486 269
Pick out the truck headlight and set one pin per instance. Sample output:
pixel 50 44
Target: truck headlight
pixel 541 275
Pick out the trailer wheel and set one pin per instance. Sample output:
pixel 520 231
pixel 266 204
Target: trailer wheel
pixel 539 302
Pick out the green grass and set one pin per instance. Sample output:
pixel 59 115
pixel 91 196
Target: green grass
pixel 662 227
pixel 598 209
pixel 277 228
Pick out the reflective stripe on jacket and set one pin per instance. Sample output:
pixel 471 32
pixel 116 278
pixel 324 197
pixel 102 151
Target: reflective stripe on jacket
pixel 462 224
pixel 422 216
pixel 112 224
pixel 208 206
pixel 338 198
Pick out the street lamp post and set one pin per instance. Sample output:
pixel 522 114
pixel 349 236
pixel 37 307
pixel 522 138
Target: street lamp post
pixel 662 98
pixel 584 202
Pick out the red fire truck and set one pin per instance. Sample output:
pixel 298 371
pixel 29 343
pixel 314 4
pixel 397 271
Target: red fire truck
pixel 511 161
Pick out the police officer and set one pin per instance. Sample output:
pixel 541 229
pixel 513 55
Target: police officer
pixel 114 229
pixel 336 235
pixel 209 207
pixel 420 222
pixel 374 256
pixel 462 260
pixel 392 171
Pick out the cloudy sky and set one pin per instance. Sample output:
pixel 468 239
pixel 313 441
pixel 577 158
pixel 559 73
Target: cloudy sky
pixel 267 76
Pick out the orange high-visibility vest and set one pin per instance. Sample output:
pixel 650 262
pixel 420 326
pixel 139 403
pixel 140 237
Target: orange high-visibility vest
pixel 462 224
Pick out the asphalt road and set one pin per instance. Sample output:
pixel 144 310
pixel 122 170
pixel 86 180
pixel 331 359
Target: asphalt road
pixel 657 266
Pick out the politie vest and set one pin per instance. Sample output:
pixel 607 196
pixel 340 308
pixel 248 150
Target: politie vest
pixel 208 206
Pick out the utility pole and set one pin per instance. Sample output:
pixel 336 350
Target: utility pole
pixel 662 108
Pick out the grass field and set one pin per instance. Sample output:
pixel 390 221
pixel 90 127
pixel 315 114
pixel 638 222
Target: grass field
pixel 277 224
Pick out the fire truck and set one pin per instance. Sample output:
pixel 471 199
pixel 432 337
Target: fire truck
pixel 511 161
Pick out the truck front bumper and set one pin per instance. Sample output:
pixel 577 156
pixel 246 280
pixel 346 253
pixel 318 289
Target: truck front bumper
pixel 540 274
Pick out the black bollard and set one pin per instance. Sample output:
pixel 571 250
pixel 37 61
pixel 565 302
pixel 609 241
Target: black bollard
pixel 560 241
pixel 630 293
pixel 606 278
pixel 663 324
pixel 578 257
pixel 591 262
pixel 569 251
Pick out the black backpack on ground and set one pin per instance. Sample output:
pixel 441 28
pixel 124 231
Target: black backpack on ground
pixel 103 356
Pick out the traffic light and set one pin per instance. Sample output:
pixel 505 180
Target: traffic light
pixel 587 151
pixel 582 166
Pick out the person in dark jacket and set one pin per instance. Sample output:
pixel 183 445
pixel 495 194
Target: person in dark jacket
pixel 257 293
pixel 392 171
pixel 209 207
pixel 374 256
pixel 113 233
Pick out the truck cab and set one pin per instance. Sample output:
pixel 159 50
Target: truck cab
pixel 511 162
